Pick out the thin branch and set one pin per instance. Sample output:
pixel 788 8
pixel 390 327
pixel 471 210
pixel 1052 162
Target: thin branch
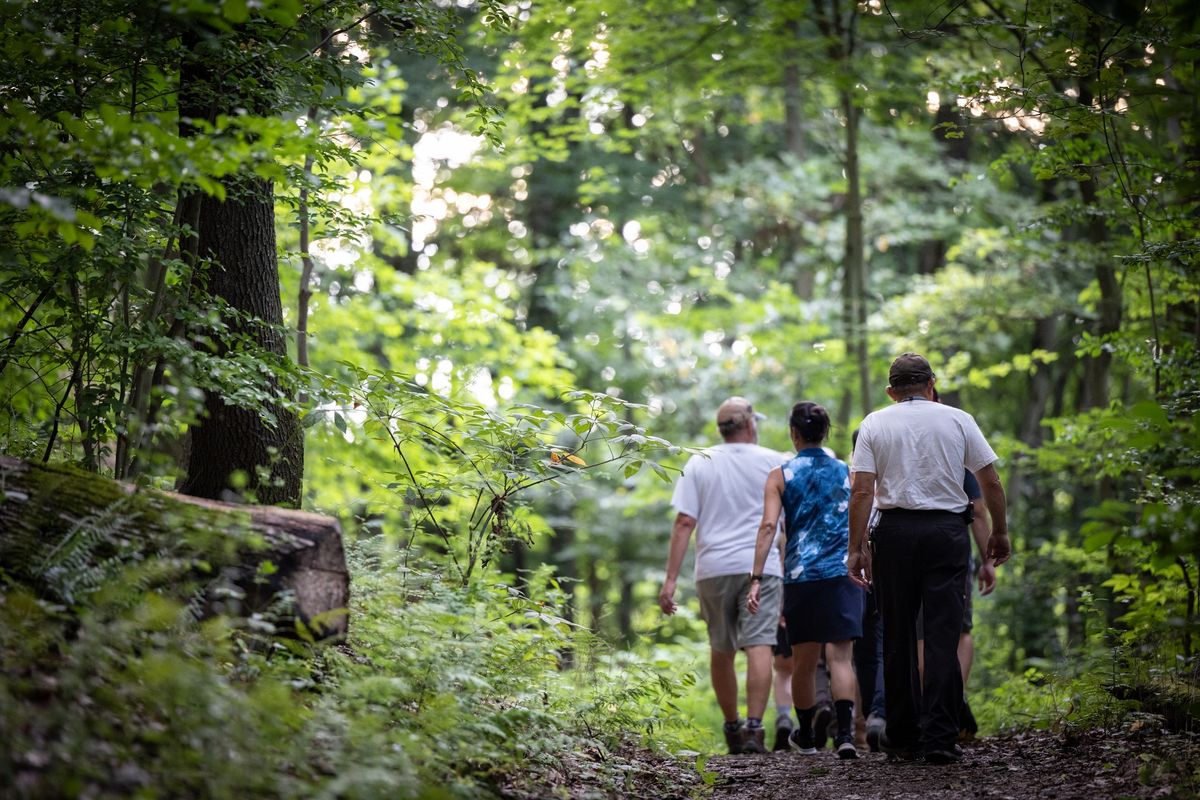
pixel 6 356
pixel 424 502
pixel 58 412
pixel 338 32
pixel 708 33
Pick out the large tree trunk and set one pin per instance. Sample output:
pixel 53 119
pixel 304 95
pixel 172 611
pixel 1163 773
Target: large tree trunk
pixel 238 235
pixel 838 24
pixel 52 513
pixel 234 450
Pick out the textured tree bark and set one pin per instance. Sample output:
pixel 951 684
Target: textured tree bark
pixel 43 506
pixel 237 237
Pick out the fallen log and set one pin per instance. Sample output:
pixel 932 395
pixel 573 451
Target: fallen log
pixel 57 522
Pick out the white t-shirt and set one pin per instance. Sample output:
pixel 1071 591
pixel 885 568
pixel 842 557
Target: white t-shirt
pixel 917 450
pixel 722 489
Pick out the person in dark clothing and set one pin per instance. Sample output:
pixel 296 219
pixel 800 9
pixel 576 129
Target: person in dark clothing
pixel 909 463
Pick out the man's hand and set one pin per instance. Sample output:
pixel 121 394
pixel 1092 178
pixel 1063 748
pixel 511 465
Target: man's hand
pixel 987 577
pixel 859 566
pixel 752 598
pixel 999 549
pixel 666 597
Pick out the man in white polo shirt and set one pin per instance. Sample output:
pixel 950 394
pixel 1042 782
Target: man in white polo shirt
pixel 909 462
pixel 720 496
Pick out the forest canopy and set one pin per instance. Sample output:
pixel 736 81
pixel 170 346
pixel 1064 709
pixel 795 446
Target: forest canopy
pixel 473 277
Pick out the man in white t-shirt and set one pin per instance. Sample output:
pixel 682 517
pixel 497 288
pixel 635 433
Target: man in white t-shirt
pixel 908 462
pixel 720 496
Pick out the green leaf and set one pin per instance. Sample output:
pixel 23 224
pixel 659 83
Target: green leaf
pixel 236 11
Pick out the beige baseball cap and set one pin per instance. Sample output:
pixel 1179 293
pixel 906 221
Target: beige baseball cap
pixel 735 412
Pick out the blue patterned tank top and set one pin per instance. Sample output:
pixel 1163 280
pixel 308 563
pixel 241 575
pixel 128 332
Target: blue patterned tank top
pixel 816 508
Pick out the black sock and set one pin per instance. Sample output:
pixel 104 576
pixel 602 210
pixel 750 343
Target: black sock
pixel 753 722
pixel 845 717
pixel 733 725
pixel 805 715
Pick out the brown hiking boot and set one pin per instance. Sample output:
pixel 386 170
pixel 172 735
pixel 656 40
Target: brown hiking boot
pixel 860 733
pixel 736 739
pixel 755 740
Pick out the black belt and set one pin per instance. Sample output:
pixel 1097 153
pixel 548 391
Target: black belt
pixel 966 515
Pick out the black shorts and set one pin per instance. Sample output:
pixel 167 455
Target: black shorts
pixel 782 646
pixel 829 610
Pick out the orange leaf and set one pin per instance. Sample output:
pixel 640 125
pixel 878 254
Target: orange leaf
pixel 574 459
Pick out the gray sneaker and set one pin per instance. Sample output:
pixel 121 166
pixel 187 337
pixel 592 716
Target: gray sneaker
pixel 783 729
pixel 875 726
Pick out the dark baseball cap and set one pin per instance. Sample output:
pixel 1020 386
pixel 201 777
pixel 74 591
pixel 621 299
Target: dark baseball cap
pixel 909 369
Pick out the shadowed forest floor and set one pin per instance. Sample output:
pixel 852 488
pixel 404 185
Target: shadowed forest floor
pixel 1135 762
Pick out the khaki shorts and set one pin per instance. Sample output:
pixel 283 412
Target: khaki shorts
pixel 730 625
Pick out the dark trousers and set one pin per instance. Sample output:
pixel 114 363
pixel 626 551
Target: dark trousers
pixel 868 658
pixel 920 560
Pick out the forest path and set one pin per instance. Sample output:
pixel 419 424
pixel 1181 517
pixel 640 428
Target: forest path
pixel 1131 763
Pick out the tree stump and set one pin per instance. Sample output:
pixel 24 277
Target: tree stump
pixel 51 514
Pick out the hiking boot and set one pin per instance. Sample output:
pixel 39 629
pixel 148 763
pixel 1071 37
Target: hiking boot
pixel 753 741
pixel 843 745
pixel 896 752
pixel 875 726
pixel 735 738
pixel 783 729
pixel 802 742
pixel 968 727
pixel 860 732
pixel 822 723
pixel 944 756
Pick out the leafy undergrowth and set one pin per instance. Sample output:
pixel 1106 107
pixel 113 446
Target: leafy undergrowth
pixel 439 692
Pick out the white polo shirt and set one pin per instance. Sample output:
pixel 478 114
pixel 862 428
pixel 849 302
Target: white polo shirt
pixel 918 450
pixel 722 489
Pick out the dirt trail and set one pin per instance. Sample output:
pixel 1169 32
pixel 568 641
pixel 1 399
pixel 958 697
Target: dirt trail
pixel 1090 766
pixel 1136 761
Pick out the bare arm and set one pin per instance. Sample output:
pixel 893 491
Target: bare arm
pixel 998 547
pixel 681 534
pixel 862 498
pixel 980 530
pixel 772 505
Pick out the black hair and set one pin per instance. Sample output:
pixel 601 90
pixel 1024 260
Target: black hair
pixel 810 421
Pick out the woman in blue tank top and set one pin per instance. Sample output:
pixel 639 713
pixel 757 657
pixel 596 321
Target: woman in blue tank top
pixel 821 606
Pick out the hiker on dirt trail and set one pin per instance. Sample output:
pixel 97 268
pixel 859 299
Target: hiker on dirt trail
pixel 982 572
pixel 822 606
pixel 868 651
pixel 986 576
pixel 719 496
pixel 908 462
